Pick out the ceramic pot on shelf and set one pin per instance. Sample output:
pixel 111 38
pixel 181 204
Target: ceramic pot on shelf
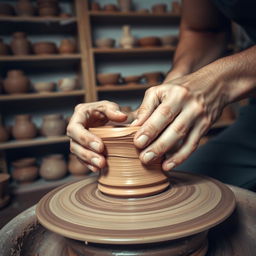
pixel 169 40
pixel 75 167
pixel 127 41
pixel 153 78
pixel 4 132
pixel 4 49
pixel 23 128
pixel 53 125
pixel 44 87
pixel 125 5
pixel 67 84
pixel 95 6
pixel 53 167
pixel 110 8
pixel 108 79
pixel 175 8
pixel 149 41
pixel 25 8
pixel 20 45
pixel 41 48
pixel 67 46
pixel 105 43
pixel 16 82
pixel 159 8
pixel 24 170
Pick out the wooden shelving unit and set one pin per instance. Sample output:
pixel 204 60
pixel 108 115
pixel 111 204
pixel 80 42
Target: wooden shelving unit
pixel 122 87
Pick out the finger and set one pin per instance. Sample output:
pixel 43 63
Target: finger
pixel 189 146
pixel 92 168
pixel 156 123
pixel 174 133
pixel 86 155
pixel 148 105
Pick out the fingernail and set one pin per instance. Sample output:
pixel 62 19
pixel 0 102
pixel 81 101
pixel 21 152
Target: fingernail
pixel 148 156
pixel 134 122
pixel 96 161
pixel 170 166
pixel 95 146
pixel 92 168
pixel 142 140
pixel 119 112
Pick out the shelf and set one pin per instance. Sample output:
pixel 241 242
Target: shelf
pixel 38 19
pixel 31 96
pixel 40 57
pixel 33 142
pixel 121 87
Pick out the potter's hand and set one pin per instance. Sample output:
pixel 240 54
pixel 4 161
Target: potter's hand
pixel 85 145
pixel 175 115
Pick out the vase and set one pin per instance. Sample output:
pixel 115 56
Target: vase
pixel 67 46
pixel 76 167
pixel 125 5
pixel 53 167
pixel 127 41
pixel 23 128
pixel 16 82
pixel 25 8
pixel 3 48
pixel 53 125
pixel 25 173
pixel 20 45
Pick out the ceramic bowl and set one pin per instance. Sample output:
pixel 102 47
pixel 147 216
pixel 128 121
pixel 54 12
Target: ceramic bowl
pixel 22 162
pixel 25 174
pixel 108 78
pixel 67 84
pixel 105 43
pixel 149 41
pixel 153 78
pixel 132 79
pixel 44 48
pixel 169 40
pixel 110 8
pixel 42 87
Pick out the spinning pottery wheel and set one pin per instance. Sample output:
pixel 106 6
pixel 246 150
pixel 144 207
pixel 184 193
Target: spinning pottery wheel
pixel 134 205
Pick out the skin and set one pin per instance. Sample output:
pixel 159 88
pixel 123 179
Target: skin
pixel 176 114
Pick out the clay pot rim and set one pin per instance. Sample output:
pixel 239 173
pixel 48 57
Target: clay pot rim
pixel 24 162
pixel 4 177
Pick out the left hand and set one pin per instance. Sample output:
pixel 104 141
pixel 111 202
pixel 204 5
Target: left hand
pixel 177 114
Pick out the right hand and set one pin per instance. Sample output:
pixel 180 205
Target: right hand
pixel 85 145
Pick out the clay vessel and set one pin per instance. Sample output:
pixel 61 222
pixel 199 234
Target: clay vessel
pixel 25 8
pixel 127 41
pixel 67 46
pixel 44 48
pixel 6 9
pixel 25 174
pixel 53 125
pixel 16 82
pixel 20 45
pixel 125 5
pixel 175 8
pixel 153 78
pixel 105 43
pixel 76 167
pixel 107 79
pixel 110 8
pixel 3 48
pixel 23 128
pixel 4 193
pixel 169 40
pixel 143 11
pixel 4 133
pixel 149 41
pixel 42 87
pixel 23 162
pixel 53 167
pixel 95 6
pixel 131 80
pixel 67 84
pixel 48 9
pixel 159 8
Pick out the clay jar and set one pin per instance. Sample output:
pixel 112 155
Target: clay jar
pixel 95 6
pixel 25 170
pixel 20 45
pixel 159 8
pixel 110 8
pixel 53 125
pixel 16 82
pixel 25 8
pixel 53 167
pixel 44 48
pixel 105 43
pixel 125 5
pixel 48 8
pixel 67 46
pixel 76 167
pixel 108 79
pixel 149 41
pixel 131 80
pixel 153 78
pixel 3 48
pixel 127 41
pixel 23 128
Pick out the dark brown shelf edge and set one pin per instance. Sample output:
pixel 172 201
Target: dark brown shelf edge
pixel 122 87
pixel 33 142
pixel 40 57
pixel 133 50
pixel 40 184
pixel 131 14
pixel 37 19
pixel 28 96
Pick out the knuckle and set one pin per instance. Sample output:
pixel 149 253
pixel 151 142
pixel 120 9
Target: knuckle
pixel 71 148
pixel 83 139
pixel 180 129
pixel 150 90
pixel 79 107
pixel 184 93
pixel 151 130
pixel 165 111
pixel 69 130
pixel 160 147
